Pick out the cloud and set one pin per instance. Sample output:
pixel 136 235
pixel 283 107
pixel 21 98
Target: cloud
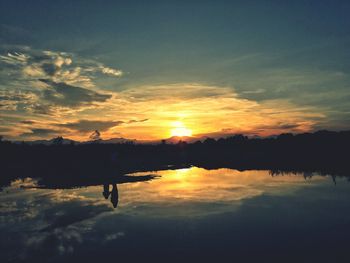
pixel 111 71
pixel 26 64
pixel 14 58
pixel 37 83
pixel 13 100
pixel 6 95
pixel 184 91
pixel 39 132
pixel 281 126
pixel 57 220
pixel 136 121
pixel 257 91
pixel 50 68
pixel 56 66
pixel 27 122
pixel 88 125
pixel 71 96
pixel 47 62
pixel 41 109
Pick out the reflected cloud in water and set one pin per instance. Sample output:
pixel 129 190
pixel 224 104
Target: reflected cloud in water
pixel 202 191
pixel 176 205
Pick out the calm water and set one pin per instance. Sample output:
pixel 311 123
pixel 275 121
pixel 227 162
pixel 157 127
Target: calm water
pixel 183 215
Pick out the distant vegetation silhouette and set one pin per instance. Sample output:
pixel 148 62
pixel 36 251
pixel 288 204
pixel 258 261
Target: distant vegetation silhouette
pixel 74 165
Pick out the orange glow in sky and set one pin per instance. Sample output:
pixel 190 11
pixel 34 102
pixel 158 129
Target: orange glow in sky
pixel 159 112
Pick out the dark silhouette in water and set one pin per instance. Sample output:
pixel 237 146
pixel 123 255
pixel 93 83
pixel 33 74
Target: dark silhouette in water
pixel 74 165
pixel 114 194
pixel 113 182
pixel 106 191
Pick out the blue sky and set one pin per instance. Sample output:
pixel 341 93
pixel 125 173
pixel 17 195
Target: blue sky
pixel 293 55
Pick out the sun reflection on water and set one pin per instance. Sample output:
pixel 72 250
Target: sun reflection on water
pixel 197 184
pixel 68 216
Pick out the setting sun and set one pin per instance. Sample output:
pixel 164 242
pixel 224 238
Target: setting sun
pixel 180 130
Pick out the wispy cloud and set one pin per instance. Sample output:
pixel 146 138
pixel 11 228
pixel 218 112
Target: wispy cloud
pixel 16 100
pixel 177 91
pixel 90 125
pixel 31 64
pixel 49 82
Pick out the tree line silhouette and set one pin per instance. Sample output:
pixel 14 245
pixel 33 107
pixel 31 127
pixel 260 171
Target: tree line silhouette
pixel 324 152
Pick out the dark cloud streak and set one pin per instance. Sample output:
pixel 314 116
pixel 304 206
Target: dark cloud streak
pixel 92 125
pixel 39 132
pixel 66 95
pixel 89 125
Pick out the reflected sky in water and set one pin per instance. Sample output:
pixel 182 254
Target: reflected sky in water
pixel 185 214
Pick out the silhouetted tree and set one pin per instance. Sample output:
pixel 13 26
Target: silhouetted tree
pixel 58 140
pixel 96 135
pixel 209 141
pixel 322 152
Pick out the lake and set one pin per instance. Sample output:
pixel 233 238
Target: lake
pixel 183 215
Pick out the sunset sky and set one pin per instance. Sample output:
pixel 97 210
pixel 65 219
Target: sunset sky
pixel 149 70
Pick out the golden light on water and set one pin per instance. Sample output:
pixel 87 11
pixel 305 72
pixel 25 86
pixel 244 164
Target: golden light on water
pixel 221 185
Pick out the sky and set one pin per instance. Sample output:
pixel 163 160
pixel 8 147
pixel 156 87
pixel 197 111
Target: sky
pixel 149 70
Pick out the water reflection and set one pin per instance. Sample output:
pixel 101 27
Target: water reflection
pixel 186 185
pixel 197 184
pixel 202 214
pixel 114 194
